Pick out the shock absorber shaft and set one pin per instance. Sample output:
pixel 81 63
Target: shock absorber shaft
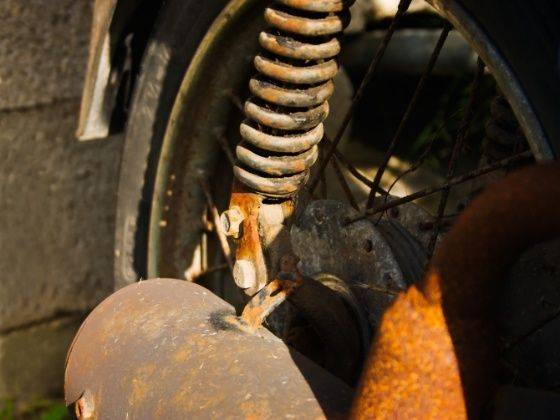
pixel 285 114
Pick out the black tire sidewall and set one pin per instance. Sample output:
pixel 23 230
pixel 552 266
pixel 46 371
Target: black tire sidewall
pixel 178 31
pixel 527 35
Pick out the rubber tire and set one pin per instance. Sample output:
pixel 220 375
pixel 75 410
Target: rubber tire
pixel 526 32
pixel 178 31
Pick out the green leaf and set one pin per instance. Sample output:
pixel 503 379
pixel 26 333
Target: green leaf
pixel 56 412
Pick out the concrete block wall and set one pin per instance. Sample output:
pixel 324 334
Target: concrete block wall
pixel 57 196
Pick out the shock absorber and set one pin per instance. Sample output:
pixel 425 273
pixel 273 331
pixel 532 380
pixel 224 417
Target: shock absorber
pixel 285 114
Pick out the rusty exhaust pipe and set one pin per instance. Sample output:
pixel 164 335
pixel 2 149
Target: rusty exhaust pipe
pixel 165 349
pixel 435 355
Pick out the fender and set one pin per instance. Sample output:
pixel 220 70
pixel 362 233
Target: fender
pixel 112 21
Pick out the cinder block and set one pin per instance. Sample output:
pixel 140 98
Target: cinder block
pixel 43 50
pixel 57 205
pixel 32 360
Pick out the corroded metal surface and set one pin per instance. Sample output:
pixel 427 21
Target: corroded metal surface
pixel 435 353
pixel 289 104
pixel 269 298
pixel 250 271
pixel 359 253
pixel 162 349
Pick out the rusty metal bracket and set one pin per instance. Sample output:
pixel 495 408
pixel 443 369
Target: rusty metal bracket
pixel 260 232
pixel 249 271
pixel 266 301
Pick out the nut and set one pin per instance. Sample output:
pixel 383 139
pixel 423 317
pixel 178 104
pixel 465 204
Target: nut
pixel 244 274
pixel 231 222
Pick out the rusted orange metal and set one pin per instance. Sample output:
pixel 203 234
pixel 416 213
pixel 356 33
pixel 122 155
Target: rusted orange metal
pixel 435 353
pixel 249 247
pixel 268 298
pixel 165 349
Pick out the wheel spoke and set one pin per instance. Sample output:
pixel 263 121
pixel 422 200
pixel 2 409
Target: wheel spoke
pixel 344 184
pixel 408 113
pixel 224 245
pixel 224 144
pixel 452 182
pixel 378 289
pixel 323 178
pixel 533 330
pixel 351 168
pixel 419 161
pixel 371 71
pixel 462 134
pixel 209 271
pixel 414 166
pixel 235 100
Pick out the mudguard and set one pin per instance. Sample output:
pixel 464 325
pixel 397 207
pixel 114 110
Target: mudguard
pixel 94 112
pixel 112 21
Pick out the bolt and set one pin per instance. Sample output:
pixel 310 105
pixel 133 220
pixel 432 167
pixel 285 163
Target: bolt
pixel 84 406
pixel 244 274
pixel 231 222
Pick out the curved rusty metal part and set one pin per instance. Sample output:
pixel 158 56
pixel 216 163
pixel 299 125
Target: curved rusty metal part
pixel 266 300
pixel 435 353
pixel 164 349
pixel 248 246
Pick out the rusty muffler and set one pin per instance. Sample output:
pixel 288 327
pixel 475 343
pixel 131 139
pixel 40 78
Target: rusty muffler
pixel 166 349
pixel 435 354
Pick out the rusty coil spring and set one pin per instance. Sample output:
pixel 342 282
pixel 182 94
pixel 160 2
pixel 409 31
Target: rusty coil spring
pixel 284 116
pixel 504 136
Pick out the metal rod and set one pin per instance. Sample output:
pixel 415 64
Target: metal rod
pixel 266 300
pixel 224 144
pixel 344 184
pixel 434 189
pixel 462 135
pixel 532 331
pixel 352 169
pixel 323 180
pixel 236 101
pixel 224 245
pixel 408 113
pixel 372 70
pixel 210 271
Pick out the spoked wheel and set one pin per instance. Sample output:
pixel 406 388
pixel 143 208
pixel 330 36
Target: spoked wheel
pixel 459 128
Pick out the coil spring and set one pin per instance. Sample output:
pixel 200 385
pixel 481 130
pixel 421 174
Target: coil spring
pixel 503 132
pixel 284 116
